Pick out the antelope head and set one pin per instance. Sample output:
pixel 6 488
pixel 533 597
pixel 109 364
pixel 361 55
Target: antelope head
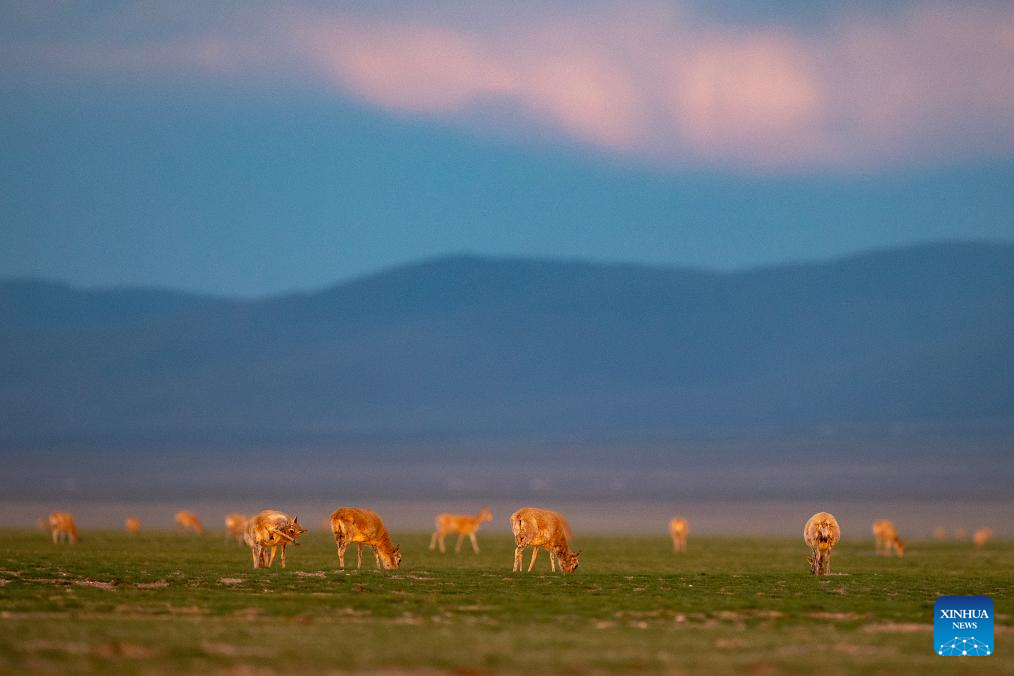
pixel 824 534
pixel 899 547
pixel 568 560
pixel 290 531
pixel 393 560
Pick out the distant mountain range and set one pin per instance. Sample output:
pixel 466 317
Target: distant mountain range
pixel 511 351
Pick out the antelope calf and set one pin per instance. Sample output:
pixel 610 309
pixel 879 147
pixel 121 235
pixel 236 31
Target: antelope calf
pixel 363 527
pixel 462 524
pixel 982 536
pixel 821 533
pixel 885 537
pixel 133 525
pixel 62 527
pixel 189 521
pixel 270 529
pixel 536 528
pixel 678 529
pixel 235 526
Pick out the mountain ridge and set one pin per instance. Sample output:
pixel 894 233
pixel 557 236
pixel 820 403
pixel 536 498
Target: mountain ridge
pixel 471 347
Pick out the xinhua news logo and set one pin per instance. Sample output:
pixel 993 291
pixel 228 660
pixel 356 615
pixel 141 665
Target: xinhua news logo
pixel 963 626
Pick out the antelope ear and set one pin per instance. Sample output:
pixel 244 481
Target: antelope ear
pixel 397 548
pixel 578 553
pixel 295 521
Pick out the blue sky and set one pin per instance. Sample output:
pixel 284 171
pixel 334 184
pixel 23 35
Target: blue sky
pixel 253 151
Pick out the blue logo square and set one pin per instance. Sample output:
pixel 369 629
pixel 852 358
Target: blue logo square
pixel 963 626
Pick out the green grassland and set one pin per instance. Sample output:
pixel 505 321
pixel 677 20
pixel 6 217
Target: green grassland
pixel 173 603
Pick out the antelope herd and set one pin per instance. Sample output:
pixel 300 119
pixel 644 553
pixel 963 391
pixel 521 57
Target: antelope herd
pixel 270 531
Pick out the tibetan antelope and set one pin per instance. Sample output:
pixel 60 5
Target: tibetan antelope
pixel 189 521
pixel 270 529
pixel 821 533
pixel 133 525
pixel 678 529
pixel 462 524
pixel 886 539
pixel 939 533
pixel 62 527
pixel 982 536
pixel 363 527
pixel 235 526
pixel 536 528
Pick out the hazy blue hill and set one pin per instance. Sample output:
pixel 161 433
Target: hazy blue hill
pixel 41 305
pixel 503 350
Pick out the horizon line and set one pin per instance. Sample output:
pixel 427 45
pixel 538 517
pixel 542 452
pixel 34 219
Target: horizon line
pixel 470 255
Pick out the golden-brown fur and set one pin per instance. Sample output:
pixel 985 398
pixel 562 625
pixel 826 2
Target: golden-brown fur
pixel 133 525
pixel 678 529
pixel 363 527
pixel 534 527
pixel 821 533
pixel 235 526
pixel 462 524
pixel 270 529
pixel 982 536
pixel 886 540
pixel 189 521
pixel 62 527
pixel 939 533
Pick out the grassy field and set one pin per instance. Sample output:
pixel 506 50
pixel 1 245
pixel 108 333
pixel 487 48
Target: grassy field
pixel 170 603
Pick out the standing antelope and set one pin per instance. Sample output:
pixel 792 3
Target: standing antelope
pixel 821 533
pixel 133 525
pixel 534 527
pixel 235 526
pixel 982 536
pixel 462 524
pixel 271 529
pixel 62 527
pixel 352 524
pixel 885 536
pixel 189 521
pixel 678 529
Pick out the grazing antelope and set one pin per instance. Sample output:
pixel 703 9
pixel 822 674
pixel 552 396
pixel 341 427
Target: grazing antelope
pixel 982 536
pixel 821 533
pixel 885 537
pixel 678 529
pixel 235 526
pixel 939 533
pixel 189 521
pixel 352 524
pixel 133 525
pixel 271 529
pixel 62 527
pixel 462 524
pixel 534 527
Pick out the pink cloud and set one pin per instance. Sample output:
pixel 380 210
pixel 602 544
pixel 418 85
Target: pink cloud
pixel 930 84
